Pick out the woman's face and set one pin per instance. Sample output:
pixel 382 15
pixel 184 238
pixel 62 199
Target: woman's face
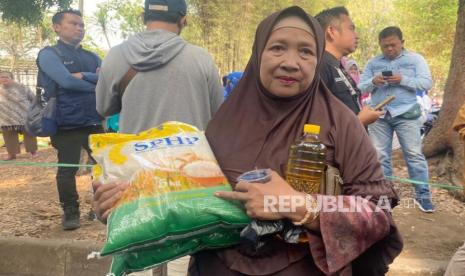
pixel 353 69
pixel 5 79
pixel 288 62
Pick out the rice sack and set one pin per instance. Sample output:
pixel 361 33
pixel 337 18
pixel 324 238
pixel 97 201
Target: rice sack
pixel 146 258
pixel 169 206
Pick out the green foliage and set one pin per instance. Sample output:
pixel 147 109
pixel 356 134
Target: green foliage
pixel 226 27
pixel 28 12
pixel 19 41
pixel 429 28
pixel 93 46
pixel 119 16
pixel 369 17
pixel 128 13
pixel 102 19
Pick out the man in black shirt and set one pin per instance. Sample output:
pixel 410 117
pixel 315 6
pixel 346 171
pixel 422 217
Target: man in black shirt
pixel 341 40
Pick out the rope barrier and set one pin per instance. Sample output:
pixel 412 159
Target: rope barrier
pixel 416 182
pixel 39 164
pixel 399 179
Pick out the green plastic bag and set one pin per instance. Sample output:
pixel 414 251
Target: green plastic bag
pixel 147 258
pixel 169 210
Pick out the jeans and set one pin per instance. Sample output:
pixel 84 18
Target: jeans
pixel 68 144
pixel 408 133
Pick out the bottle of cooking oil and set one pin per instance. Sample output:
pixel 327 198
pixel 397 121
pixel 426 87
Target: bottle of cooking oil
pixel 307 163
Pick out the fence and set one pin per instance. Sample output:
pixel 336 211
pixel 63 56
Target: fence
pixel 25 73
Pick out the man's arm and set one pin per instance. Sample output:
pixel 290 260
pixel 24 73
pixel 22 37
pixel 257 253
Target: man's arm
pixel 53 67
pixel 107 96
pixel 91 76
pixel 422 80
pixel 366 80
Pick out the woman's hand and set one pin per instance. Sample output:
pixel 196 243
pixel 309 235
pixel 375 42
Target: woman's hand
pixel 262 200
pixel 105 197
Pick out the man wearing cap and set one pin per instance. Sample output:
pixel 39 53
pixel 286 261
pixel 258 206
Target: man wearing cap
pixel 174 80
pixel 163 78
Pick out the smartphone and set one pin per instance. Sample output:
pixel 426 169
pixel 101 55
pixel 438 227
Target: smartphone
pixel 387 100
pixel 386 73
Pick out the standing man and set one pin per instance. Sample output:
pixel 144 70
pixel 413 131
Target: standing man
pixel 163 77
pixel 341 40
pixel 70 72
pixel 174 80
pixel 400 73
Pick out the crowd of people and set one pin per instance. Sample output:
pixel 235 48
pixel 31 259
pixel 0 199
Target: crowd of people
pixel 299 73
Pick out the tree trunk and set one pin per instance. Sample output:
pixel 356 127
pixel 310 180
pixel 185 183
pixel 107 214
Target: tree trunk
pixel 442 139
pixel 13 62
pixel 81 6
pixel 105 34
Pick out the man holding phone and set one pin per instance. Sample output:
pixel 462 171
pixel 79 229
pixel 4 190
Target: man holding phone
pixel 400 73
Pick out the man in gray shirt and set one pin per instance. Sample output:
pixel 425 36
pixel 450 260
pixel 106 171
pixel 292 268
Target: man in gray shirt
pixel 175 80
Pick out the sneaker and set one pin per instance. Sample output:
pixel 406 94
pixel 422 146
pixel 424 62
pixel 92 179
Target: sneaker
pixel 70 219
pixel 425 205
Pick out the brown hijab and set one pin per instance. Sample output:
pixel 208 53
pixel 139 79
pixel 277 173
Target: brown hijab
pixel 254 129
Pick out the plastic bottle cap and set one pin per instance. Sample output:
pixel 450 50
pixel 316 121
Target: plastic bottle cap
pixel 256 176
pixel 315 129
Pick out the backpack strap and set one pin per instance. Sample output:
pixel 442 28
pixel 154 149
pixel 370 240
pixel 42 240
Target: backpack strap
pixel 39 87
pixel 58 52
pixel 55 49
pixel 123 84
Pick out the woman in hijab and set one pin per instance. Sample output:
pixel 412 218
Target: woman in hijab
pixel 280 92
pixel 352 68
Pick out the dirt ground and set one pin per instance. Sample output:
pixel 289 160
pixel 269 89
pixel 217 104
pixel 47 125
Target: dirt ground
pixel 29 207
pixel 433 236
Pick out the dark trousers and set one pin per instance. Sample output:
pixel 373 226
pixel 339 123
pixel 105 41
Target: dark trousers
pixel 68 144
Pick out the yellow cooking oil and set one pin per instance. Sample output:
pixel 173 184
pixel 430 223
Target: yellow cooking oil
pixel 307 164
